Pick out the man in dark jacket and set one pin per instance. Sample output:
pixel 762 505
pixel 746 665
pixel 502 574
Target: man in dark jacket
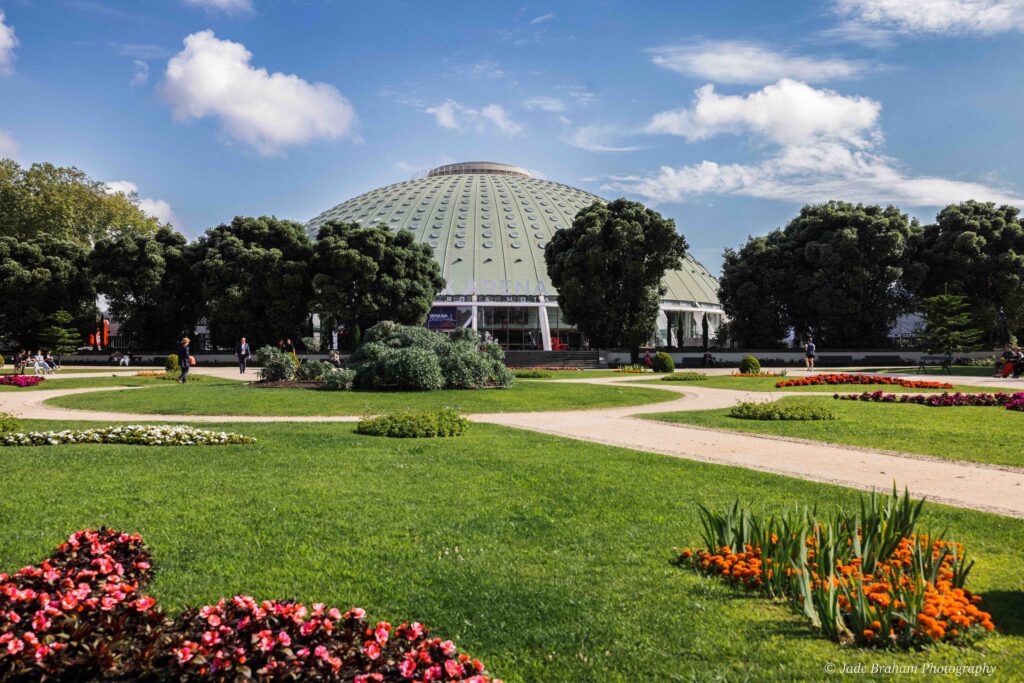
pixel 242 352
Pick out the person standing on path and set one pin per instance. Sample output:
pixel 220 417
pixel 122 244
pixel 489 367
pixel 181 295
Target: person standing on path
pixel 243 353
pixel 184 359
pixel 810 353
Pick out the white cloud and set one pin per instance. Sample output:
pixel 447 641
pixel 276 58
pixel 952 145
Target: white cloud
pixel 860 33
pixel 268 111
pixel 829 150
pixel 786 113
pixel 140 73
pixel 939 16
pixel 8 145
pixel 578 94
pixel 157 208
pixel 598 138
pixel 542 18
pixel 729 61
pixel 544 103
pixel 8 41
pixel 452 115
pixel 229 6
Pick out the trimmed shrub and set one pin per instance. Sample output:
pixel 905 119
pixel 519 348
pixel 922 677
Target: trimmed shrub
pixel 662 362
pixel 688 376
pixel 2 360
pixel 424 424
pixel 531 374
pixel 312 370
pixel 414 358
pixel 275 364
pixel 9 423
pixel 172 366
pixel 749 366
pixel 339 379
pixel 310 344
pixel 746 410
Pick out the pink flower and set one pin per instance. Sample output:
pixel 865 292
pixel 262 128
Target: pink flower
pixel 355 613
pixel 284 639
pixel 434 673
pixel 334 613
pixel 448 647
pixel 414 631
pixel 15 646
pixel 144 603
pixel 371 649
pixel 454 669
pixel 407 668
pixel 184 654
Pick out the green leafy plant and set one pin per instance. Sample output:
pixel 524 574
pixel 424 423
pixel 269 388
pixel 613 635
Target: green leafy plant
pixel 172 366
pixel 749 365
pixel 275 364
pixel 9 423
pixel 748 410
pixel 443 422
pixel 686 376
pixel 339 379
pixel 662 362
pixel 310 344
pixel 312 370
pixel 531 374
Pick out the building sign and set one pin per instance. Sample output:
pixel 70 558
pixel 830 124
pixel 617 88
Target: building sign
pixel 442 319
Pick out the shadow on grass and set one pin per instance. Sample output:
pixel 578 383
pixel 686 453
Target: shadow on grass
pixel 1007 610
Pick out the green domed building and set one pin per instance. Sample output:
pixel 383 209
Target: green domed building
pixel 488 224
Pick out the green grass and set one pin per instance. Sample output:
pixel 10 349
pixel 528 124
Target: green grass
pixel 57 382
pixel 962 370
pixel 768 384
pixel 495 540
pixel 66 369
pixel 988 435
pixel 227 397
pixel 575 374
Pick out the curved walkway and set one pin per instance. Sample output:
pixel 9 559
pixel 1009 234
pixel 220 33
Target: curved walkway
pixel 963 484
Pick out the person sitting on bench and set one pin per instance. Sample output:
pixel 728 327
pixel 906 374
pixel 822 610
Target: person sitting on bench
pixel 1008 361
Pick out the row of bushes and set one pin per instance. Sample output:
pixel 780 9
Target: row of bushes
pixel 749 410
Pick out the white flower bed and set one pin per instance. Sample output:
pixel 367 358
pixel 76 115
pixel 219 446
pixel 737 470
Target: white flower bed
pixel 139 435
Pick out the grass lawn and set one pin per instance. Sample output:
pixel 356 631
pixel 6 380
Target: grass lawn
pixel 768 384
pixel 989 435
pixel 58 382
pixel 963 370
pixel 227 397
pixel 574 374
pixel 547 558
pixel 66 369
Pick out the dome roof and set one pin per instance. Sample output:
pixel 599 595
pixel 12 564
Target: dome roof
pixel 488 224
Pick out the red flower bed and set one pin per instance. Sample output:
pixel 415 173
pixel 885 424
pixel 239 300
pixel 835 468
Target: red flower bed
pixel 945 400
pixel 544 367
pixel 847 378
pixel 81 614
pixel 21 380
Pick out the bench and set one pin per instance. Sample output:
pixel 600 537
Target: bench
pixel 691 362
pixel 942 361
pixel 834 361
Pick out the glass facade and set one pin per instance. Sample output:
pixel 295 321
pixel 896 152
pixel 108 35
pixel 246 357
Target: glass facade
pixel 516 328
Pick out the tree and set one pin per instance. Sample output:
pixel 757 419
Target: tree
pixel 64 203
pixel 976 249
pixel 836 270
pixel 39 277
pixel 60 335
pixel 752 291
pixel 608 268
pixel 948 324
pixel 148 285
pixel 255 283
pixel 362 276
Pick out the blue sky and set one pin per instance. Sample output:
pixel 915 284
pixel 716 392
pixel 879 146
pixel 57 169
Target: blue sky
pixel 725 116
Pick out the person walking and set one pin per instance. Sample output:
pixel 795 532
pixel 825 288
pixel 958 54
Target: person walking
pixel 242 352
pixel 810 354
pixel 184 359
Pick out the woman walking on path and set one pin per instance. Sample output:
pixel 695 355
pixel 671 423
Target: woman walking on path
pixel 810 353
pixel 184 359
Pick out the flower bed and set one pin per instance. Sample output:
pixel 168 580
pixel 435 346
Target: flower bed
pixel 945 400
pixel 547 368
pixel 82 614
pixel 759 374
pixel 137 435
pixel 150 373
pixel 749 410
pixel 869 579
pixel 20 380
pixel 847 378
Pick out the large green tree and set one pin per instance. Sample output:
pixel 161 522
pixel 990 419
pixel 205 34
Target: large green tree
pixel 39 277
pixel 948 325
pixel 255 280
pixel 837 270
pixel 608 269
pixel 976 249
pixel 60 335
pixel 65 203
pixel 752 293
pixel 362 276
pixel 148 285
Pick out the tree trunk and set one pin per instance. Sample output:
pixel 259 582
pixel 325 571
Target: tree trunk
pixel 634 355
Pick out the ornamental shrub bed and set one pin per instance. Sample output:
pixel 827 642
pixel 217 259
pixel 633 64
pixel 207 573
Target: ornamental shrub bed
pixel 82 614
pixel 412 358
pixel 856 378
pixel 662 362
pixel 425 424
pixel 312 370
pixel 750 366
pixel 339 379
pixel 21 380
pixel 1013 401
pixel 531 374
pixel 548 368
pixel 686 376
pixel 9 423
pixel 275 364
pixel 760 374
pixel 748 410
pixel 632 368
pixel 136 435
pixel 869 579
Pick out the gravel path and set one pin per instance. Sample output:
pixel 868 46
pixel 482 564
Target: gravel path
pixel 969 485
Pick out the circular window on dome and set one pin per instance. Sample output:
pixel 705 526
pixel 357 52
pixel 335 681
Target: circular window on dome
pixel 488 245
pixel 513 234
pixel 539 235
pixel 460 244
pixel 460 234
pixel 434 235
pixel 438 225
pixel 513 225
pixel 515 245
pixel 486 233
pixel 462 224
pixel 486 224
